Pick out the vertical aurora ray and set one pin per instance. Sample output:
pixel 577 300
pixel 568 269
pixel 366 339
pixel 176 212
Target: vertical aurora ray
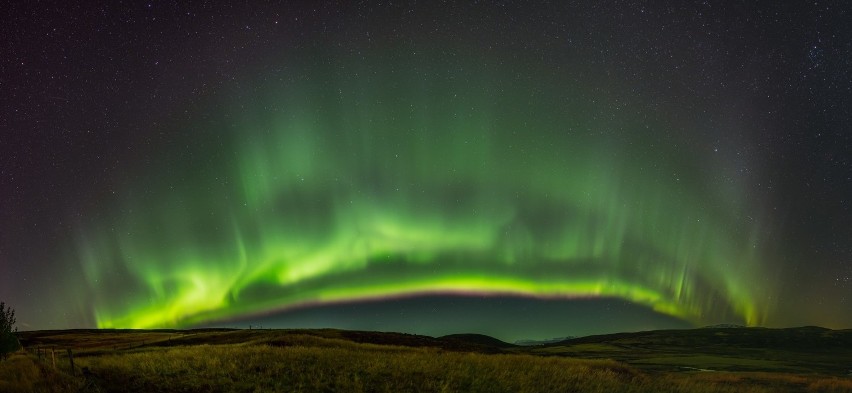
pixel 361 185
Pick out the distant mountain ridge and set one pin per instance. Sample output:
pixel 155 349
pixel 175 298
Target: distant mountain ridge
pixel 544 341
pixel 723 326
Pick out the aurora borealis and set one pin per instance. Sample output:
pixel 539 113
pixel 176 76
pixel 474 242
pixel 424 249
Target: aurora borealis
pixel 379 198
pixel 288 158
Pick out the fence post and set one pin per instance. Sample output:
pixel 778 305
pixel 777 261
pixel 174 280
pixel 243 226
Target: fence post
pixel 71 360
pixel 53 357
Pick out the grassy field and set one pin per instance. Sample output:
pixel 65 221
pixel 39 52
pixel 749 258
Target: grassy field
pixel 808 350
pixel 341 361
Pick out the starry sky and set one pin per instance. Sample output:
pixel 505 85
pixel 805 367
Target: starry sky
pixel 520 169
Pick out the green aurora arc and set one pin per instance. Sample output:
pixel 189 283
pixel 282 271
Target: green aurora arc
pixel 371 183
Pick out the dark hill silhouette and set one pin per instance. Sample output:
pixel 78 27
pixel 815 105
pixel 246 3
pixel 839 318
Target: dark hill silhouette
pixel 459 342
pixel 807 338
pixel 478 339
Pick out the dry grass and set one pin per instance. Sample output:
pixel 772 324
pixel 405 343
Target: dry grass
pixel 20 374
pixel 298 368
pixel 294 362
pixel 776 382
pixel 314 364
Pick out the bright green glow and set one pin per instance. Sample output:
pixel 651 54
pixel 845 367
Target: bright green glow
pixel 382 186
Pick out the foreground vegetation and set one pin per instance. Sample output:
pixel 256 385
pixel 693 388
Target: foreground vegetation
pixel 332 361
pixel 21 373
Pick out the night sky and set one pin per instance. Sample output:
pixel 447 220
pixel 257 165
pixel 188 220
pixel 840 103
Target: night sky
pixel 520 169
